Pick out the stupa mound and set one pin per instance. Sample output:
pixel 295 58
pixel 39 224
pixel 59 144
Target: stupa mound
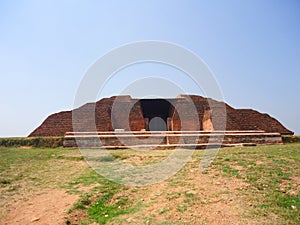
pixel 158 115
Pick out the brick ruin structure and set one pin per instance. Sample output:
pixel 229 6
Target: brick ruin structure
pixel 175 116
pixel 143 110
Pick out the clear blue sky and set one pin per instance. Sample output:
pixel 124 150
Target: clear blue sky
pixel 252 46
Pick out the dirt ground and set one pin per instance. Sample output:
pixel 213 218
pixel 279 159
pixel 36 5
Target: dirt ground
pixel 217 202
pixel 47 207
pixel 189 197
pixel 217 206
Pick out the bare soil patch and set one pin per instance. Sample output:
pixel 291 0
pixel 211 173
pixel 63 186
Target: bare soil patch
pixel 253 185
pixel 48 207
pixel 204 199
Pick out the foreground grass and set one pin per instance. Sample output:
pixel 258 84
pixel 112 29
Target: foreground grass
pixel 257 185
pixel 25 171
pixel 273 173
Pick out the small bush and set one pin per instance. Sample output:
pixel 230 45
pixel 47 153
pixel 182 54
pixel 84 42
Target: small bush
pixel 37 142
pixel 290 139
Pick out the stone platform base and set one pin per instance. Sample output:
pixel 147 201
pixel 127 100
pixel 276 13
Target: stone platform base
pixel 169 139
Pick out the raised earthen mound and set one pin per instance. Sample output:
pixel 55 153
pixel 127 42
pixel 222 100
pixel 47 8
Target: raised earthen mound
pixel 106 115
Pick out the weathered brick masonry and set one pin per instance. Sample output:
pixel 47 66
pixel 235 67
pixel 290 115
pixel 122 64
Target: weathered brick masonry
pixel 112 113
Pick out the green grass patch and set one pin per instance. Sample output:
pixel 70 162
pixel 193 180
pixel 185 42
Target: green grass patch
pixel 164 210
pixel 181 208
pixel 228 170
pixel 191 199
pixel 100 202
pixel 265 168
pixel 108 158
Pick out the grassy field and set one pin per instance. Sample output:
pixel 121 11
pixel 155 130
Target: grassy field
pixel 245 185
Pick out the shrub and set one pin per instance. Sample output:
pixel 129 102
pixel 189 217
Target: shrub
pixel 38 142
pixel 290 139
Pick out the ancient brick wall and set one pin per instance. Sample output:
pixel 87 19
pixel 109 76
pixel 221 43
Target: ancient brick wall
pixel 127 114
pixel 248 119
pixel 185 114
pixel 98 117
pixel 55 125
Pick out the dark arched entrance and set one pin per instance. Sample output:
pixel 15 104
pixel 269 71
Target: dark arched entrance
pixel 156 111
